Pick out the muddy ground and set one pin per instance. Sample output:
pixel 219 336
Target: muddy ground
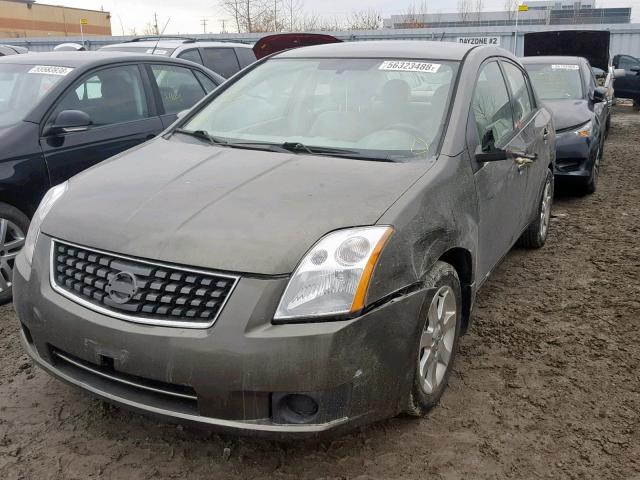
pixel 546 385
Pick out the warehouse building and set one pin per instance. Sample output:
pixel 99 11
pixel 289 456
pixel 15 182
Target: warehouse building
pixel 26 18
pixel 553 12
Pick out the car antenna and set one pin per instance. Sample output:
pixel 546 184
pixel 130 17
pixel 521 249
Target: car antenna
pixel 160 36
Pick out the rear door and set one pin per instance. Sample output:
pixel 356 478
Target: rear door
pixel 177 89
pixel 118 101
pixel 501 186
pixel 534 136
pixel 629 85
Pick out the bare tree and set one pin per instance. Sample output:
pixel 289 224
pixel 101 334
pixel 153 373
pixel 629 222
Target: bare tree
pixel 249 15
pixel 511 7
pixel 368 19
pixel 414 16
pixel 479 7
pixel 292 14
pixel 464 10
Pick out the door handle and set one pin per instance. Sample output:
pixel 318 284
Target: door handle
pixel 522 162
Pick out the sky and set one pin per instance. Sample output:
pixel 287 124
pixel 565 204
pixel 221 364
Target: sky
pixel 186 16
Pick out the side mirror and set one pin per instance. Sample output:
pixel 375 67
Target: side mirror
pixel 69 121
pixel 488 150
pixel 600 94
pixel 619 72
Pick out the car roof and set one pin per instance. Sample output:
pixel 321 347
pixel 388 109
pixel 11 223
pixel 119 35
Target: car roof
pixel 84 59
pixel 178 43
pixel 542 59
pixel 420 49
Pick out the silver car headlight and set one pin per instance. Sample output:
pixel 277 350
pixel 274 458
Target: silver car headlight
pixel 333 277
pixel 51 197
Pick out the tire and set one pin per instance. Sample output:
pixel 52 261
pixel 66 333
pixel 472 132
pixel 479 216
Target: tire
pixel 536 233
pixel 13 230
pixel 437 340
pixel 591 184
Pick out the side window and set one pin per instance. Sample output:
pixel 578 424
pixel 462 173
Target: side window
pixel 491 106
pixel 179 88
pixel 110 96
pixel 205 81
pixel 245 56
pixel 221 60
pixel 192 55
pixel 520 91
pixel 627 62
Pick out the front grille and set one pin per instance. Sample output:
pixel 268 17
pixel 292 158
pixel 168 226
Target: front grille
pixel 138 290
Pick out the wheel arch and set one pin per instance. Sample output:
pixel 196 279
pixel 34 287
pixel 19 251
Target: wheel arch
pixel 462 261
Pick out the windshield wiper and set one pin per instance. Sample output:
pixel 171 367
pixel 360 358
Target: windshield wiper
pixel 203 135
pixel 298 147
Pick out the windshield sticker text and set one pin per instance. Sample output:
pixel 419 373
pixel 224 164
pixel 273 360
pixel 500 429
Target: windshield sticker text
pixel 565 67
pixel 51 70
pixel 399 66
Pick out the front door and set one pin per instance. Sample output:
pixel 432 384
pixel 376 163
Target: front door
pixel 116 101
pixel 629 85
pixel 501 185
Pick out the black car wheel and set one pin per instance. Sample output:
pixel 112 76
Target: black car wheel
pixel 13 229
pixel 591 184
pixel 536 233
pixel 438 342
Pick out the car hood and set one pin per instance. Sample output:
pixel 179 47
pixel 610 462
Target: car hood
pixel 568 113
pixel 221 208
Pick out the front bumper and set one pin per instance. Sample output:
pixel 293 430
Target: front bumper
pixel 574 155
pixel 235 374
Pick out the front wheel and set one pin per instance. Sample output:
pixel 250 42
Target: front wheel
pixel 438 342
pixel 536 233
pixel 13 229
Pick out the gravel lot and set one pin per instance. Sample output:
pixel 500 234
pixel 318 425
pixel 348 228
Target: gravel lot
pixel 546 385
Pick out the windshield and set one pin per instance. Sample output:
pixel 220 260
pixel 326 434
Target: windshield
pixel 556 82
pixel 392 109
pixel 22 87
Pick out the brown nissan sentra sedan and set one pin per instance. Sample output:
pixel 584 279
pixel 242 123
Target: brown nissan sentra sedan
pixel 300 252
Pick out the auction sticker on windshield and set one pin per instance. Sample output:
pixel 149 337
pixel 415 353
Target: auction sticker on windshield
pixel 51 70
pixel 401 66
pixel 565 67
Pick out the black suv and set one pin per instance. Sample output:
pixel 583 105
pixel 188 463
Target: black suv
pixel 63 112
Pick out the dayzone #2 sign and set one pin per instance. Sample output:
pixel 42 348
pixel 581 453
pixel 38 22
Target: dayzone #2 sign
pixel 480 40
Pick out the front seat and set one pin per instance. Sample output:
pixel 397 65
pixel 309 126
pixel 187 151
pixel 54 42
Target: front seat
pixel 118 101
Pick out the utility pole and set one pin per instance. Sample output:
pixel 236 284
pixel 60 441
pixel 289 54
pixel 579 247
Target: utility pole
pixel 203 22
pixel 224 29
pixel 155 24
pixel 275 15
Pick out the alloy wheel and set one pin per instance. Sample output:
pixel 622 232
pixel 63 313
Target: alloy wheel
pixel 437 339
pixel 545 209
pixel 11 242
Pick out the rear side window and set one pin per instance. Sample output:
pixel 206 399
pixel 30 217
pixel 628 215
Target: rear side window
pixel 179 88
pixel 491 106
pixel 221 60
pixel 627 62
pixel 206 82
pixel 520 91
pixel 192 55
pixel 110 96
pixel 245 56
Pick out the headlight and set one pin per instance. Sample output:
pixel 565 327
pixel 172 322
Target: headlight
pixel 47 202
pixel 333 277
pixel 585 130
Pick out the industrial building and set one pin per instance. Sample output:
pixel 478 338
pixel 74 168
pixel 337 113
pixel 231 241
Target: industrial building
pixel 26 18
pixel 553 12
